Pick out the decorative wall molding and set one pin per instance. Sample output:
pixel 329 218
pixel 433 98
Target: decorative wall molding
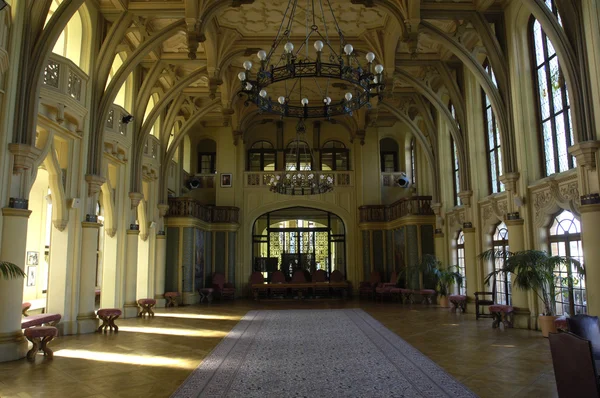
pixel 553 194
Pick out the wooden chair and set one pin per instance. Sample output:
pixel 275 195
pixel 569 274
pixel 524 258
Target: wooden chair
pixel 574 366
pixel 367 288
pixel 222 289
pixel 337 276
pixel 484 300
pixel 299 277
pixel 320 276
pixel 257 278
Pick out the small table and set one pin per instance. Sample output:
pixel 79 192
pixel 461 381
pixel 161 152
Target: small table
pixel 206 293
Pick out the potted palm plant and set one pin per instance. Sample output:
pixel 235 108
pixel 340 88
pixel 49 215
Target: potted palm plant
pixel 10 270
pixel 535 270
pixel 443 277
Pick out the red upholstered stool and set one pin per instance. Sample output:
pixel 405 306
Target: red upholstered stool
pixel 24 307
pixel 561 323
pixel 406 295
pixel 502 313
pixel 171 299
pixel 146 306
pixel 458 301
pixel 427 294
pixel 40 337
pixel 108 316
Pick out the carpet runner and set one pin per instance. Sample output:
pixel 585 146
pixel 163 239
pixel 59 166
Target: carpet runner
pixel 317 353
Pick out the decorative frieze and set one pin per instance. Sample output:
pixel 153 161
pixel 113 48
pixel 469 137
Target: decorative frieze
pixel 553 194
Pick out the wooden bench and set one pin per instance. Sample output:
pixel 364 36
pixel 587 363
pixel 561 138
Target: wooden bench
pixel 171 299
pixel 108 316
pixel 146 306
pixel 40 337
pixel 502 313
pixel 458 301
pixel 40 319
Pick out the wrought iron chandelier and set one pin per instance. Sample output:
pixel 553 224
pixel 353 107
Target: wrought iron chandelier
pixel 304 181
pixel 303 77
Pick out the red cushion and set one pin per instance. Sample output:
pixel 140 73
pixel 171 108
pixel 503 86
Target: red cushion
pixel 109 312
pixel 25 306
pixel 37 320
pixel 41 331
pixel 146 301
pixel 501 308
pixel 457 297
pixel 426 292
pixel 172 294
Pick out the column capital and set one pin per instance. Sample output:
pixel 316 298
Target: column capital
pixel 162 209
pixel 133 232
pixel 136 198
pixel 585 153
pixel 88 224
pixel 13 212
pixel 510 181
pixel 465 197
pixel 95 183
pixel 24 156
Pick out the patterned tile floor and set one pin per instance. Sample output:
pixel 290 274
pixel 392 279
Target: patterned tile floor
pixel 152 357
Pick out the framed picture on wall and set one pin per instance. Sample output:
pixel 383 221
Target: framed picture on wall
pixel 226 180
pixel 31 274
pixel 33 258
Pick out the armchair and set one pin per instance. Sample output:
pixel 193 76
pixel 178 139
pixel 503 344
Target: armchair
pixel 222 289
pixel 574 366
pixel 367 288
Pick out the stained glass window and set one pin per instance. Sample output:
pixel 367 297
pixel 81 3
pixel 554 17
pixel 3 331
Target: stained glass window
pixel 460 261
pixel 455 167
pixel 492 140
pixel 553 101
pixel 503 285
pixel 565 240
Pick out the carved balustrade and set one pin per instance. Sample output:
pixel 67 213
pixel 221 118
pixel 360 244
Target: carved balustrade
pixel 188 207
pixel 414 205
pixel 266 178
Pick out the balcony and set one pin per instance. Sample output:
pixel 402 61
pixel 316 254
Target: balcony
pixel 257 179
pixel 151 147
pixel 188 207
pixel 412 206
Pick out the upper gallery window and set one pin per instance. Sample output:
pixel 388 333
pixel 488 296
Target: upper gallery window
pixel 388 151
pixel 334 156
pixel 492 141
pixel 262 157
pixel 503 282
pixel 298 156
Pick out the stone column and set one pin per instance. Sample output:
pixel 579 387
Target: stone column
pixel 160 269
pixel 131 256
pixel 470 265
pixel 519 297
pixel 13 345
pixel 86 317
pixel 590 231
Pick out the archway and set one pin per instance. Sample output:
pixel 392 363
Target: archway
pixel 298 238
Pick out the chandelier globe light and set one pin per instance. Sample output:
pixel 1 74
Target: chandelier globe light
pixel 291 75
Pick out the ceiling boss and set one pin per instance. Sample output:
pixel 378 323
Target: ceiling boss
pixel 295 80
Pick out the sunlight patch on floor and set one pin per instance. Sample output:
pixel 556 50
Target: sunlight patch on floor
pixel 197 316
pixel 131 359
pixel 173 331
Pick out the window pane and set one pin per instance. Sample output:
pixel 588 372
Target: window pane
pixel 269 162
pixel 341 161
pixel 538 40
pixel 561 138
pixel 327 160
pixel 254 161
pixel 543 92
pixel 548 147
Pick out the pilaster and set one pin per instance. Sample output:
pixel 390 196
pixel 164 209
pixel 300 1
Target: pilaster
pixel 130 305
pixel 470 265
pixel 86 317
pixel 519 297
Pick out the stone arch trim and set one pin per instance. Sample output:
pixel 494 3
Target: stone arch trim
pixel 420 137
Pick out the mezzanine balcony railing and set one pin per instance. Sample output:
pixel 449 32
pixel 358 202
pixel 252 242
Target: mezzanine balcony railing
pixel 188 207
pixel 411 206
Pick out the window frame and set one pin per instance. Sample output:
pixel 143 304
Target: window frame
pixel 213 162
pixel 460 260
pixel 565 112
pixel 261 152
pixel 382 155
pixel 502 280
pixel 335 151
pixel 297 152
pixel 497 149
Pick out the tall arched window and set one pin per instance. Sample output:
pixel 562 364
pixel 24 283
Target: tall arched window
pixel 494 154
pixel 460 260
pixel 503 285
pixel 71 38
pixel 455 166
pixel 553 101
pixel 334 156
pixel 298 156
pixel 262 157
pixel 413 155
pixel 565 240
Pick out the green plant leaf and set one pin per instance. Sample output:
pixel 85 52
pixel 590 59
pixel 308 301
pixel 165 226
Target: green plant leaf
pixel 10 270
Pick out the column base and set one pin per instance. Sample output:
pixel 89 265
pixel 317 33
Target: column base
pixel 67 328
pixel 160 300
pixel 13 346
pixel 522 318
pixel 189 298
pixel 87 324
pixel 130 311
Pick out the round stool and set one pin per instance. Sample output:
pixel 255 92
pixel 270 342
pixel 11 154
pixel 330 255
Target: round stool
pixel 24 307
pixel 207 294
pixel 40 336
pixel 171 299
pixel 108 316
pixel 146 306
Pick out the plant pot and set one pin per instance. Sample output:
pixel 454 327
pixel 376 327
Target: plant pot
pixel 547 324
pixel 444 302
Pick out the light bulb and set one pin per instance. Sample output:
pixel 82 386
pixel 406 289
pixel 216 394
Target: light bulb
pixel 262 55
pixel 247 65
pixel 248 86
pixel 348 96
pixel 263 93
pixel 289 47
pixel 370 57
pixel 327 100
pixel 281 100
pixel 242 76
pixel 304 101
pixel 379 69
pixel 348 49
pixel 375 80
pixel 319 45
